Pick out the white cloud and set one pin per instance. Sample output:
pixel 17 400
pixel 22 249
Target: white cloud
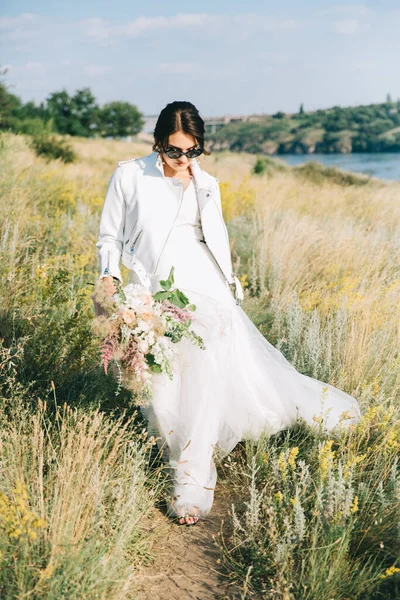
pixel 96 70
pixel 353 10
pixel 23 20
pixel 143 24
pixel 96 28
pixel 25 26
pixel 349 26
pixel 363 64
pixel 242 25
pixel 100 29
pixel 34 65
pixel 262 22
pixel 31 68
pixel 180 67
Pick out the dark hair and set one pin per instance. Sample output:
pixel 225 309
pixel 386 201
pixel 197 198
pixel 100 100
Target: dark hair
pixel 178 116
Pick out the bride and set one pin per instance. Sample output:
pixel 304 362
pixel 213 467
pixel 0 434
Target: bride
pixel 163 210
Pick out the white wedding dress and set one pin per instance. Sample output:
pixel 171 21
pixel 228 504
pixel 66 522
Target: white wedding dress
pixel 237 387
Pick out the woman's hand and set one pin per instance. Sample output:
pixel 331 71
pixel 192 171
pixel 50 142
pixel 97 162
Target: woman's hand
pixel 108 289
pixel 109 285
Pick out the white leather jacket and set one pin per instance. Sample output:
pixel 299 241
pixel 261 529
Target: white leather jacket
pixel 139 212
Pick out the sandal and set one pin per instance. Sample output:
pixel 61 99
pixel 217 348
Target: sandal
pixel 196 516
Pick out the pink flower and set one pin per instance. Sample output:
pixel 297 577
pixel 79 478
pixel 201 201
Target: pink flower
pixel 107 352
pixel 180 314
pixel 129 316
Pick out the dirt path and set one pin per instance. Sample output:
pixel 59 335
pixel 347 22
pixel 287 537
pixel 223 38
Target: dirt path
pixel 186 564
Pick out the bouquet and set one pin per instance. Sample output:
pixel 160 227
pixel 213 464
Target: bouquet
pixel 137 330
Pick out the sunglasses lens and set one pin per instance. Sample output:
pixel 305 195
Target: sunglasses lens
pixel 173 153
pixel 177 153
pixel 193 153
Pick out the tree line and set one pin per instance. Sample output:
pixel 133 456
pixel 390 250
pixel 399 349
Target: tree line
pixel 78 114
pixel 372 128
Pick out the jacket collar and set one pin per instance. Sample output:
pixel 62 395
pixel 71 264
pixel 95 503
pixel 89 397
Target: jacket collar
pixel 199 175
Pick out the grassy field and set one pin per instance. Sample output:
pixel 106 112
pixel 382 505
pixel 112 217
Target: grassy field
pixel 317 516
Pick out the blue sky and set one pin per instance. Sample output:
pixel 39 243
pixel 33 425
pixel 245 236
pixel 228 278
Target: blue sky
pixel 227 57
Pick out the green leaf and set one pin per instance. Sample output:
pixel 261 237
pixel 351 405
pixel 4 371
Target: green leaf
pixel 166 284
pixel 162 295
pixel 171 275
pixel 173 337
pixel 176 299
pixel 153 365
pixel 183 298
pixel 191 307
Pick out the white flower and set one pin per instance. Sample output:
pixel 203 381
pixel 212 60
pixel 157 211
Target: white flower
pixel 143 346
pixel 151 337
pixel 143 325
pixel 138 296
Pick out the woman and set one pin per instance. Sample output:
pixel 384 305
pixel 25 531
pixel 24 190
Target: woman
pixel 163 210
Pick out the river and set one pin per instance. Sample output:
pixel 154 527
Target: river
pixel 385 165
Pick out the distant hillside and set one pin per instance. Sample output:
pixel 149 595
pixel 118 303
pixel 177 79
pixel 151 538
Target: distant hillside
pixel 372 128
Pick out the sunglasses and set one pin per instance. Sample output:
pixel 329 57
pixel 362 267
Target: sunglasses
pixel 173 152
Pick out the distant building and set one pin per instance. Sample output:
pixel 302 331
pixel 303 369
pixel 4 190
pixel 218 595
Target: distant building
pixel 212 123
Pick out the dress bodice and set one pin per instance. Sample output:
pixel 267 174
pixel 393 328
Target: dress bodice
pixel 195 265
pixel 188 218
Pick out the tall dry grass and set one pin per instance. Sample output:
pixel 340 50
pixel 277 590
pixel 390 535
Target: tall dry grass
pixel 77 473
pixel 325 260
pixel 317 518
pixel 75 487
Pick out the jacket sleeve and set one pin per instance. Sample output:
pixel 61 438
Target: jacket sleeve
pixel 217 194
pixel 239 295
pixel 111 229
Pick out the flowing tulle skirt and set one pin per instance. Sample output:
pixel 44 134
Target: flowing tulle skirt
pixel 235 389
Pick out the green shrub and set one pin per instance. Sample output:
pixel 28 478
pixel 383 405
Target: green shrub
pixel 267 165
pixel 53 148
pixel 317 173
pixel 33 126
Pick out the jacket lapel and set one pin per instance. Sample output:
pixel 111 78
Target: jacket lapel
pixel 203 187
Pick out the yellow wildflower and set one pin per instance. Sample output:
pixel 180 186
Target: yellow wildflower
pixel 354 460
pixel 292 457
pixel 46 573
pixel 325 458
pixel 243 280
pixel 392 439
pixel 390 572
pixel 17 519
pixel 282 465
pixel 345 415
pixel 317 419
pixel 354 505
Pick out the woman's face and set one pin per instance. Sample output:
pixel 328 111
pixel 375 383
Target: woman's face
pixel 183 142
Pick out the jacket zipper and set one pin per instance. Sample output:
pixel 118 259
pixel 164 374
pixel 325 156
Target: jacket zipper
pixel 107 269
pixel 223 273
pixel 131 248
pixel 222 220
pixel 227 239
